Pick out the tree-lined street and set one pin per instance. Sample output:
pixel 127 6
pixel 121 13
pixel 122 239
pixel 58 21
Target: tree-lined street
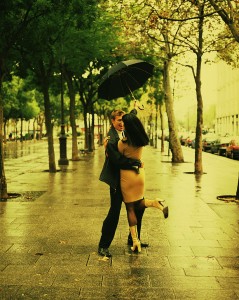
pixel 53 56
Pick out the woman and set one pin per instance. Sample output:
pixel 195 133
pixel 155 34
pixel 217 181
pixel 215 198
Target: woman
pixel 132 182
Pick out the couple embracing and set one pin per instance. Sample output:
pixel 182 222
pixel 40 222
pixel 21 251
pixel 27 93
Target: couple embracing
pixel 123 171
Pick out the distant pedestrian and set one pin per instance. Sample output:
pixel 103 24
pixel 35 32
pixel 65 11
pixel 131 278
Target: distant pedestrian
pixel 132 183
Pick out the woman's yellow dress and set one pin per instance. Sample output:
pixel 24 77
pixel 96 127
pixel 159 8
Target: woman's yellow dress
pixel 132 184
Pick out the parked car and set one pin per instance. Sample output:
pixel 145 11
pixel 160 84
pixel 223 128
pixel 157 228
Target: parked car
pixel 232 150
pixel 190 140
pixel 208 141
pixel 183 138
pixel 220 146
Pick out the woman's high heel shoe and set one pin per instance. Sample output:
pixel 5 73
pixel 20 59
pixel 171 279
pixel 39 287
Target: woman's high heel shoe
pixel 136 245
pixel 165 212
pixel 136 242
pixel 157 204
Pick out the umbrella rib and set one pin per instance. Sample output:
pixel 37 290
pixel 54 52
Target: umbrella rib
pixel 133 78
pixel 142 70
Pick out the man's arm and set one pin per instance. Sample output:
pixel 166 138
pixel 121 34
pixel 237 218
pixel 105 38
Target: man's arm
pixel 119 159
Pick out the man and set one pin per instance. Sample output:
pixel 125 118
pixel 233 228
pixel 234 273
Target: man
pixel 110 174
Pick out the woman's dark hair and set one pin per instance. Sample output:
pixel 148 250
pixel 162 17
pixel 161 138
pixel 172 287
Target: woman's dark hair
pixel 134 130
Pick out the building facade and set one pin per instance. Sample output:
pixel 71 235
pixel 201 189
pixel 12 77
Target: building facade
pixel 227 104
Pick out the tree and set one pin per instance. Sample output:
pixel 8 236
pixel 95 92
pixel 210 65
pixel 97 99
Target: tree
pixel 19 102
pixel 14 20
pixel 157 95
pixel 83 60
pixel 149 36
pixel 44 51
pixel 177 27
pixel 73 57
pixel 197 16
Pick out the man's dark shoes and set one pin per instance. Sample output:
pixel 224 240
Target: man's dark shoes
pixel 143 245
pixel 104 252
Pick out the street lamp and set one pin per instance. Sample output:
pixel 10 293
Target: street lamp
pixel 63 161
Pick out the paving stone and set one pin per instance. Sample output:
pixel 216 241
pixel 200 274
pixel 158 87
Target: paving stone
pixel 56 293
pixel 18 258
pixel 205 294
pixel 129 280
pixel 27 279
pixel 127 293
pixel 78 280
pixel 8 292
pixel 170 251
pixel 194 262
pixel 195 242
pixel 229 262
pixel 162 271
pixel 229 283
pixel 135 260
pixel 5 247
pixel 62 259
pixel 225 272
pixel 185 282
pixel 215 251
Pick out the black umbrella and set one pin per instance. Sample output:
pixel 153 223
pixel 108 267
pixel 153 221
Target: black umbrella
pixel 123 78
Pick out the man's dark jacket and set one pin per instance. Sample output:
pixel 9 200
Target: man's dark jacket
pixel 114 161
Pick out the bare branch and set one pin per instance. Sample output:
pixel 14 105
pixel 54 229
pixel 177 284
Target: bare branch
pixel 181 19
pixel 229 21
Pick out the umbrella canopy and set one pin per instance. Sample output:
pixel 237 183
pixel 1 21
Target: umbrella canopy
pixel 123 78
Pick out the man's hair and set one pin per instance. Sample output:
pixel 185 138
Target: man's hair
pixel 115 113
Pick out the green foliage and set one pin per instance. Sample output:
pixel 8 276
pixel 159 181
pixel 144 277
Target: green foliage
pixel 15 18
pixel 19 102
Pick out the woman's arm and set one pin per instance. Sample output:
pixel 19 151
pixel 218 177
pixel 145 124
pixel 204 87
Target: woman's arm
pixel 118 159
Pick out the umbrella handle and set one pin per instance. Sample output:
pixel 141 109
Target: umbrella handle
pixel 135 101
pixel 136 105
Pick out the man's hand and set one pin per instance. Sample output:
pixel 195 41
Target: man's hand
pixel 105 142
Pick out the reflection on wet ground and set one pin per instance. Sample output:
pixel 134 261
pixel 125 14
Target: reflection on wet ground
pixel 48 247
pixel 15 149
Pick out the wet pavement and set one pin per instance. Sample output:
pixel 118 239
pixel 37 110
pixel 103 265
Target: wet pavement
pixel 49 238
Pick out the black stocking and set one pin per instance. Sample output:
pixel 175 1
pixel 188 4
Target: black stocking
pixel 135 212
pixel 132 220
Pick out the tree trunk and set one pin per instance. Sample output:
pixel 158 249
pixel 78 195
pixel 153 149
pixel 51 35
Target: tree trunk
pixel 174 143
pixel 237 192
pixel 92 130
pixel 49 127
pixel 156 128
pixel 5 132
pixel 85 110
pixel 21 129
pixel 3 181
pixel 162 127
pixel 198 168
pixel 75 152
